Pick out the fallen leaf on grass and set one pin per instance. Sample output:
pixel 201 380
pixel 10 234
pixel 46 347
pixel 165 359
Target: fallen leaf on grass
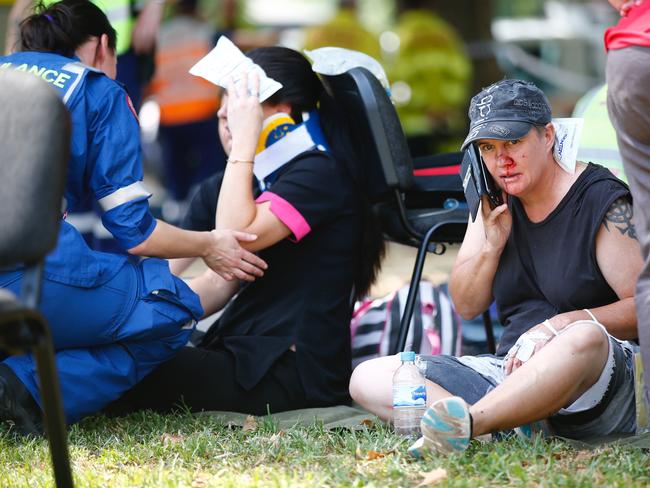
pixel 250 423
pixel 433 477
pixel 371 455
pixel 367 423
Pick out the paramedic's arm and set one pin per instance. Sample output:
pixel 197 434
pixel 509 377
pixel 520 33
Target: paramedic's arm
pixel 236 207
pixel 472 275
pixel 220 249
pixel 116 180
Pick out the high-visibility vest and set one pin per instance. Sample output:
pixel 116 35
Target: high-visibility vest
pixel 183 98
pixel 598 139
pixel 120 16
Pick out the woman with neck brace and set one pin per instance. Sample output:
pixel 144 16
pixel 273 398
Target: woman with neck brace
pixel 283 342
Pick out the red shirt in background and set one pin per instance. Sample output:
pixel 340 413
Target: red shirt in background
pixel 631 30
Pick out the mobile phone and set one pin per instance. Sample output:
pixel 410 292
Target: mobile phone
pixel 478 181
pixel 492 190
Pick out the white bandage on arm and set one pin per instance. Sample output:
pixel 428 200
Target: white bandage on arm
pixel 524 348
pixel 547 324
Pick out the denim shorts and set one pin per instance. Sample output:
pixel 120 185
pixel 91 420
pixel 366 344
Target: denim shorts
pixel 614 413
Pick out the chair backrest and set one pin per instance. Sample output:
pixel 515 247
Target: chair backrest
pixel 34 141
pixel 376 130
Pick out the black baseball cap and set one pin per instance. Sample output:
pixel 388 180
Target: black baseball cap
pixel 506 110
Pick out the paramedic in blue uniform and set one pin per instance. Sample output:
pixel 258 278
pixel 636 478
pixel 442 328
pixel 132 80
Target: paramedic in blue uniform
pixel 284 342
pixel 112 321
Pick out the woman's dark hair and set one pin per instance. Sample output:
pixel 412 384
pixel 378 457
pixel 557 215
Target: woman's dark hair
pixel 64 26
pixel 304 91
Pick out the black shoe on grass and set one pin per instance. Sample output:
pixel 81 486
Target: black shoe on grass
pixel 17 407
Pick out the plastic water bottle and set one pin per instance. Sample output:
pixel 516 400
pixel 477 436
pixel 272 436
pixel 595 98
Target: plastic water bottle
pixel 409 397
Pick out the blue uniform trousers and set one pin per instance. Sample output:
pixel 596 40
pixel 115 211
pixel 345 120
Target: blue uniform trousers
pixel 110 337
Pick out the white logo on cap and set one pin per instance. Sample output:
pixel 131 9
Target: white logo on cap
pixel 484 106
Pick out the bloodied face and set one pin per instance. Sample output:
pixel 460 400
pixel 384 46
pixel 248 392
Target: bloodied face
pixel 517 165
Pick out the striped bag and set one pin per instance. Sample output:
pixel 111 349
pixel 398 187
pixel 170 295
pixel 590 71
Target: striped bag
pixel 435 326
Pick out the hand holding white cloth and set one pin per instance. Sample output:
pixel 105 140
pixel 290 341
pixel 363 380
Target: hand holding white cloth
pixel 226 62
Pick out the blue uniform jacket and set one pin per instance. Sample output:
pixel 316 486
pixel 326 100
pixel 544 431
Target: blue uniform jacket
pixel 105 165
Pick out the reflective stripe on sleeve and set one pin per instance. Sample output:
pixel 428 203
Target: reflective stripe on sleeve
pixel 123 195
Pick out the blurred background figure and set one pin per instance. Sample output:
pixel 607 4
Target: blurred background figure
pixel 190 148
pixel 344 29
pixel 598 139
pixel 425 60
pixel 628 102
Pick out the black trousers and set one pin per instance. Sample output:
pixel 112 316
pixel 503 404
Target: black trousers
pixel 204 379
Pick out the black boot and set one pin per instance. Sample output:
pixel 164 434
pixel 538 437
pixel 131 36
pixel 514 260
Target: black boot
pixel 17 407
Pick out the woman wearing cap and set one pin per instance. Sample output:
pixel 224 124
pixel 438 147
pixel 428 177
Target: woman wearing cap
pixel 559 257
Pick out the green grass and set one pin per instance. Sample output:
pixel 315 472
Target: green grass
pixel 196 451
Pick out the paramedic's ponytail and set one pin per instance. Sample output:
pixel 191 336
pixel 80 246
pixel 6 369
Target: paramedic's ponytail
pixel 63 26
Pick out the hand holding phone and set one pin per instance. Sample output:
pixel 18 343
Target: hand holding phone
pixel 492 190
pixel 478 181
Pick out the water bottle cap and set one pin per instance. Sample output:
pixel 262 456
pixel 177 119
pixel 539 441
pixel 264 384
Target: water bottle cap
pixel 407 356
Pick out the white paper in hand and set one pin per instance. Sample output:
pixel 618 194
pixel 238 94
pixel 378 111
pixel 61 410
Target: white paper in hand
pixel 567 142
pixel 226 62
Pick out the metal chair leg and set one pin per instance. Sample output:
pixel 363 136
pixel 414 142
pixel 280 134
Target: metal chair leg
pixel 489 332
pixel 405 322
pixel 53 416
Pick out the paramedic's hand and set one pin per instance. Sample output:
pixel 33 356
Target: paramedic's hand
pixel 244 113
pixel 145 30
pixel 229 260
pixel 497 223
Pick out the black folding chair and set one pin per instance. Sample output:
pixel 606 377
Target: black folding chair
pixel 421 204
pixel 34 134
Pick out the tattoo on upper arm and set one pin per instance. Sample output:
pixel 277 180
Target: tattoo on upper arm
pixel 620 215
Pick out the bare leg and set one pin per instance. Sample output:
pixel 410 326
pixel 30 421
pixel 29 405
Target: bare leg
pixel 371 386
pixel 553 378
